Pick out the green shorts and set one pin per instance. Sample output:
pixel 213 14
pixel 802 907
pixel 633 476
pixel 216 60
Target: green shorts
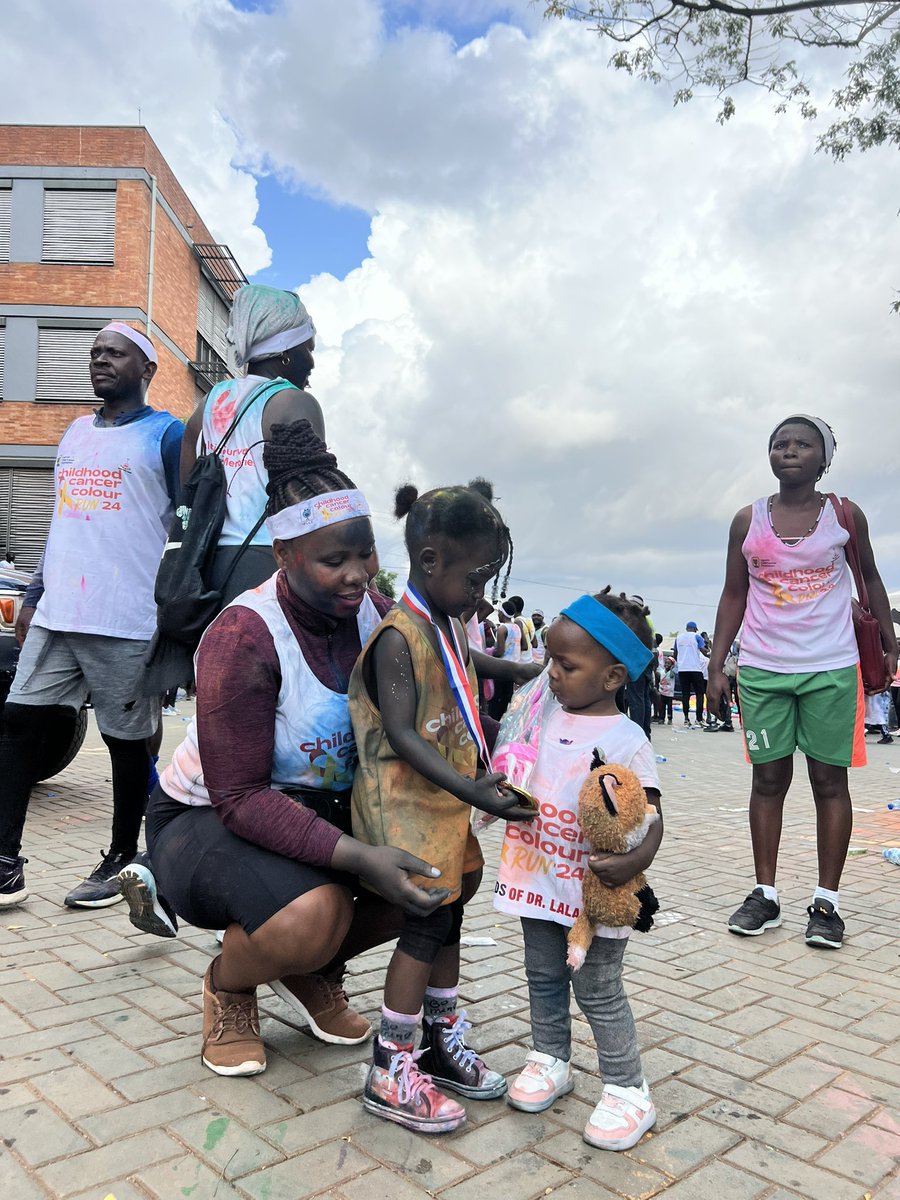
pixel 818 712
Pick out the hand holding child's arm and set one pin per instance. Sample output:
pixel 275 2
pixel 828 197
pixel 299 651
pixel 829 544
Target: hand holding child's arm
pixel 388 871
pixel 616 869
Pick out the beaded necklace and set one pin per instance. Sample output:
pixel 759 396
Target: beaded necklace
pixel 793 541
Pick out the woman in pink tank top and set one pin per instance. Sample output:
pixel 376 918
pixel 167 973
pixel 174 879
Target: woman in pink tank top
pixel 788 582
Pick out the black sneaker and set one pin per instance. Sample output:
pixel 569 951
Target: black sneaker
pixel 825 927
pixel 756 915
pixel 147 911
pixel 884 740
pixel 451 1064
pixel 12 881
pixel 101 888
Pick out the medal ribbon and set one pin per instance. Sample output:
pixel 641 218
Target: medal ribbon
pixel 456 672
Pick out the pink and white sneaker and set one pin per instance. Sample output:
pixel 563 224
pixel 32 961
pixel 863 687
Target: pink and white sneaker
pixel 621 1119
pixel 541 1081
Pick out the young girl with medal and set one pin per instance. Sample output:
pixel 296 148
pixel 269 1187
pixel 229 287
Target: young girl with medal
pixel 420 743
pixel 594 646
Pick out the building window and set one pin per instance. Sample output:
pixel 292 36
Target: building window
pixel 79 225
pixel 2 358
pixel 5 217
pixel 26 506
pixel 63 368
pixel 212 318
pixel 209 366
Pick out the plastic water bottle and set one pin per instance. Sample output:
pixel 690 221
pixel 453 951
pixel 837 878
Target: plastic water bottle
pixel 893 855
pixel 662 758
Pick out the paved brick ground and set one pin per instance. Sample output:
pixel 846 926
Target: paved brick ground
pixel 775 1068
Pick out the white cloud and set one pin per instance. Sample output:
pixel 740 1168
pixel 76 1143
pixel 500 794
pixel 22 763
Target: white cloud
pixel 598 301
pixel 70 62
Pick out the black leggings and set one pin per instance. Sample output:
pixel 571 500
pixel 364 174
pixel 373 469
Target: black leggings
pixel 22 746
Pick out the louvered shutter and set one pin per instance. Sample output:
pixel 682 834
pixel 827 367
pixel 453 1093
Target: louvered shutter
pixel 221 319
pixel 2 359
pixel 26 497
pixel 79 226
pixel 206 299
pixel 213 318
pixel 5 215
pixel 63 372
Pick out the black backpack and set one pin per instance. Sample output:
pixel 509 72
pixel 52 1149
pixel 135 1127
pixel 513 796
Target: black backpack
pixel 185 603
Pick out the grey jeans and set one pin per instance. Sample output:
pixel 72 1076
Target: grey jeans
pixel 599 993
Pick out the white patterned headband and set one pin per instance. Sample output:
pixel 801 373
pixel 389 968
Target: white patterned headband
pixel 279 342
pixel 317 513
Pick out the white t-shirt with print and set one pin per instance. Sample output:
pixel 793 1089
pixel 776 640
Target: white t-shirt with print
pixel 543 862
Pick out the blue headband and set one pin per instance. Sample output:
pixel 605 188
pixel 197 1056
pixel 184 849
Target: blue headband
pixel 613 634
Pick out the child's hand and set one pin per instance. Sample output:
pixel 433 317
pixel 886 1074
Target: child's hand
pixel 612 869
pixel 484 794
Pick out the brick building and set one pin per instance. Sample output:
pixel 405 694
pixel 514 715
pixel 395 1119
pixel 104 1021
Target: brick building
pixel 94 227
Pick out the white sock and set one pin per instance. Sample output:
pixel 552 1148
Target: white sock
pixel 769 891
pixel 823 894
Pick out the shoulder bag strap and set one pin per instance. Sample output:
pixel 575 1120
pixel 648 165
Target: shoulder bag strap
pixel 844 514
pixel 254 395
pixel 243 547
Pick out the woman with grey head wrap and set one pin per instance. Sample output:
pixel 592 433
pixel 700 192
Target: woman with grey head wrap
pixel 273 338
pixel 267 323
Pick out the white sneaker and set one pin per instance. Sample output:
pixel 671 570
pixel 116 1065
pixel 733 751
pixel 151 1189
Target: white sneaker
pixel 170 711
pixel 621 1118
pixel 541 1081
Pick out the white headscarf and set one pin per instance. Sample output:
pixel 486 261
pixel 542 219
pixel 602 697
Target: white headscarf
pixel 267 321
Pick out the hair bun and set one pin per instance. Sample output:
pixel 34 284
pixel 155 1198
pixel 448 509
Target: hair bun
pixel 405 497
pixel 483 487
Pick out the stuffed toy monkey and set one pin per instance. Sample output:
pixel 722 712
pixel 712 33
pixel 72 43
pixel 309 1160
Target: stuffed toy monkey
pixel 615 817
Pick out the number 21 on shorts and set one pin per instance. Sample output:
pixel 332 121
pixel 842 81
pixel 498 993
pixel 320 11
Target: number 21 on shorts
pixel 752 742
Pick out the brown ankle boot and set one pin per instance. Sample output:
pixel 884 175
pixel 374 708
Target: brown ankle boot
pixel 231 1041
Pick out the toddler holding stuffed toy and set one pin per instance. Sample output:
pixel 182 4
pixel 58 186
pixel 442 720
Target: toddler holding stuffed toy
pixel 569 712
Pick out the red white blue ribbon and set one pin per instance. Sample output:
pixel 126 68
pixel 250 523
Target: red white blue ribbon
pixel 456 672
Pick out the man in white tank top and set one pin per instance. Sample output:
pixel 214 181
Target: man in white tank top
pixel 89 615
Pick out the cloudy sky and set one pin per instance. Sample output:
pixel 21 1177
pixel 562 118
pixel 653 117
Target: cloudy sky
pixel 522 264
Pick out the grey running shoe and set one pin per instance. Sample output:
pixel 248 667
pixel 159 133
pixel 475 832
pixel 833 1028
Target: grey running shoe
pixel 756 915
pixel 145 910
pixel 825 927
pixel 13 889
pixel 101 888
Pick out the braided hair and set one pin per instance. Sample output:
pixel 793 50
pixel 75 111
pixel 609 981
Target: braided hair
pixel 631 611
pixel 460 512
pixel 300 466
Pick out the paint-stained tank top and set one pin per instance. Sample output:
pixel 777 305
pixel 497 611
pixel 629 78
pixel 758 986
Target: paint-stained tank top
pixel 242 456
pixel 798 616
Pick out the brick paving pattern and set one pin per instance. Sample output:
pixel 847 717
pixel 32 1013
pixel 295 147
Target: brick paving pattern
pixel 775 1068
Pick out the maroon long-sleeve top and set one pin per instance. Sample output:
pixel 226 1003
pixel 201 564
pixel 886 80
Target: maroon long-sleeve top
pixel 238 681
